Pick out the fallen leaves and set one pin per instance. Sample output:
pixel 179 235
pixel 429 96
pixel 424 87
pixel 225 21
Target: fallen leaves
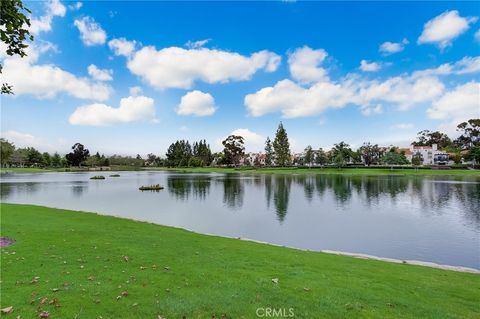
pixel 275 280
pixel 125 258
pixel 44 314
pixel 7 310
pixel 35 280
pixel 54 289
pixel 124 293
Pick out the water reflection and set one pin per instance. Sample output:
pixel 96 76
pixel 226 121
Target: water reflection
pixel 233 191
pixel 427 218
pixel 79 188
pixel 183 187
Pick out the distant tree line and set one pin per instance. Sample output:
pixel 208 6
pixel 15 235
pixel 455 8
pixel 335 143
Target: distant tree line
pixel 277 153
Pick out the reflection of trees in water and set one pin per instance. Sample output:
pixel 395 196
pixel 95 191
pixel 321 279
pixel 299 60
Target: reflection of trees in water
pixel 8 189
pixel 183 187
pixel 5 190
pixel 308 184
pixel 281 193
pixel 469 196
pixel 277 190
pixel 341 188
pixel 233 191
pixel 268 189
pixel 78 188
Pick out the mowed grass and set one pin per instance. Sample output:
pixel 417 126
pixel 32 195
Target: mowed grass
pixel 329 170
pixel 83 262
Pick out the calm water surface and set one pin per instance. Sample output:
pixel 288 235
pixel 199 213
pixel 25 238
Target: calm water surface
pixel 433 219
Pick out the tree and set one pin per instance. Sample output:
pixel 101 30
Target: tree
pixel 470 134
pixel 78 155
pixel 47 159
pixel 417 159
pixel 179 154
pixel 308 157
pixel 281 146
pixel 19 157
pixel 14 32
pixel 343 149
pixel 234 149
pixel 33 157
pixel 320 157
pixel 474 155
pixel 268 152
pixel 202 153
pixel 339 160
pixel 394 158
pixel 370 153
pixel 6 151
pixel 428 138
pixel 56 160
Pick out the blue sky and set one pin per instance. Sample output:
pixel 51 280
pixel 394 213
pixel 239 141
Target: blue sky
pixel 128 78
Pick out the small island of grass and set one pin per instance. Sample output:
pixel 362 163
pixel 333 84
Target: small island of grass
pixel 115 175
pixel 97 177
pixel 155 187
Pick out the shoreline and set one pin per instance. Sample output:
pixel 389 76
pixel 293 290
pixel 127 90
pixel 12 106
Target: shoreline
pixel 373 171
pixel 428 264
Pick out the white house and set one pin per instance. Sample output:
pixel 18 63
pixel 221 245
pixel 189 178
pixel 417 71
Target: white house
pixel 430 154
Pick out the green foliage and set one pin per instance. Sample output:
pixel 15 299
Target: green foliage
pixel 6 151
pixel 320 157
pixel 281 146
pixel 339 160
pixel 56 160
pixel 269 154
pixel 78 155
pixel 14 32
pixel 417 159
pixel 342 150
pixel 234 149
pixel 470 131
pixel 428 138
pixel 394 158
pixel 474 155
pixel 370 153
pixel 308 156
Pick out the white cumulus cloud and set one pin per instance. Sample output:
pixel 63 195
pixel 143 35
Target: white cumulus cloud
pixel 295 101
pixel 304 65
pixel 122 46
pixel 176 67
pixel 48 80
pixel 99 74
pixel 91 32
pixel 196 44
pixel 392 47
pixel 44 23
pixel 460 104
pixel 196 103
pixel 366 66
pixel 135 90
pixel 443 29
pixel 131 109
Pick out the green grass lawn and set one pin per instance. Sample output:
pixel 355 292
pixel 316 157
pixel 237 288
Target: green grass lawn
pixel 316 170
pixel 73 265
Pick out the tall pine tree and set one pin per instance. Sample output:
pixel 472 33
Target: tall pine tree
pixel 268 152
pixel 281 147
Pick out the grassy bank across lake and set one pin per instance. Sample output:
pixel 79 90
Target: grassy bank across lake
pixel 84 265
pixel 317 170
pixel 286 170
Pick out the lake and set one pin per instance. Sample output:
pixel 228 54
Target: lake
pixel 434 219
